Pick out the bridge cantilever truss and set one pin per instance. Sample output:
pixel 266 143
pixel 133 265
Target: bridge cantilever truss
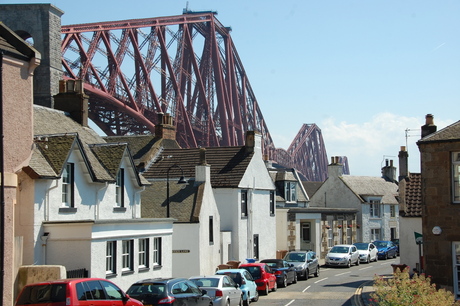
pixel 185 65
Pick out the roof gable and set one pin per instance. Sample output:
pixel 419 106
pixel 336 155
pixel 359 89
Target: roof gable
pixel 369 186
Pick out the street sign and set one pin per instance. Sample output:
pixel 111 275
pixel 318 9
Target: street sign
pixel 418 238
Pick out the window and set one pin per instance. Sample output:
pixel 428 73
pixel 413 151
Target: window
pixel 211 230
pixel 67 185
pixel 272 202
pixel 110 257
pixel 456 177
pixel 244 203
pixel 127 255
pixel 120 188
pixel 456 267
pixel 306 232
pixel 256 246
pixel 392 211
pixel 143 253
pixel 374 211
pixel 157 251
pixel 349 236
pixel 290 193
pixel 375 234
pixel 330 238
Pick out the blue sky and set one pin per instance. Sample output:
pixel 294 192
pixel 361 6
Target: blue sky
pixel 363 71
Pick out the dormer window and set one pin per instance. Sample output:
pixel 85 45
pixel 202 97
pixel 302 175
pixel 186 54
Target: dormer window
pixel 290 192
pixel 67 185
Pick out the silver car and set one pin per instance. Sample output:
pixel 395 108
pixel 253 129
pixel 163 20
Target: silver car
pixel 220 288
pixel 305 263
pixel 367 251
pixel 342 255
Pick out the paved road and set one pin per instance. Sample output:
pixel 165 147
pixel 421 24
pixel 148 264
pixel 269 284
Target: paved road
pixel 333 287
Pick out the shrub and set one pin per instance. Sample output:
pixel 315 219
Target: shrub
pixel 402 289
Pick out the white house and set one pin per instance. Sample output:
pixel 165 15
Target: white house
pixel 85 212
pixel 375 199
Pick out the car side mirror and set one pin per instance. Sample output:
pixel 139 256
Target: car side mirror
pixel 309 260
pixel 125 298
pixel 203 292
pixel 291 265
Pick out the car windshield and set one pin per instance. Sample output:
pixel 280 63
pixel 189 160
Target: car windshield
pixel 380 244
pixel 254 270
pixel 295 257
pixel 235 276
pixel 206 282
pixel 273 264
pixel 147 288
pixel 362 246
pixel 339 249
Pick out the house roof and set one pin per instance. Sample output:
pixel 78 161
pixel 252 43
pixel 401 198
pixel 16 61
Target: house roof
pixel 368 186
pixel 412 196
pixel 281 175
pixel 185 201
pixel 15 46
pixel 449 133
pixel 56 134
pixel 228 164
pixel 311 187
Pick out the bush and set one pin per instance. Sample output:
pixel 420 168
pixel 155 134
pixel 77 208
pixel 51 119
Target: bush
pixel 402 289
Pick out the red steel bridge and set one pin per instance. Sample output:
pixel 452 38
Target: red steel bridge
pixel 187 66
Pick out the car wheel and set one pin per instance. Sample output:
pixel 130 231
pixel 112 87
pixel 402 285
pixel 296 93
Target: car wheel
pixel 275 287
pixel 241 301
pixel 317 271
pixel 256 298
pixel 357 262
pixel 386 256
pixel 368 259
pixel 284 284
pixel 227 303
pixel 349 263
pixel 246 301
pixel 295 278
pixel 267 290
pixel 307 274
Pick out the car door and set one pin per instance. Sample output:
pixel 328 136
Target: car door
pixel 92 293
pixel 232 290
pixel 372 251
pixel 354 254
pixel 196 296
pixel 181 292
pixel 250 283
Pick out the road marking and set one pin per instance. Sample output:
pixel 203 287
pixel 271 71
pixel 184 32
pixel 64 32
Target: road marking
pixel 306 289
pixel 323 279
pixel 289 303
pixel 365 268
pixel 342 273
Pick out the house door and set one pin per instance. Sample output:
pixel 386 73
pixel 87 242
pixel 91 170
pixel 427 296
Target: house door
pixel 305 236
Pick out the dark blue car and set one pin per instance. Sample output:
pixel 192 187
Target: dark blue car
pixel 386 249
pixel 285 273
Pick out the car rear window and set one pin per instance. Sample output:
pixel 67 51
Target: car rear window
pixel 42 294
pixel 137 290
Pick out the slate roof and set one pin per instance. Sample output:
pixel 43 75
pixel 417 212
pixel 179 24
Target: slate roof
pixel 185 201
pixel 449 133
pixel 412 197
pixel 279 176
pixel 14 46
pixel 311 187
pixel 55 135
pixel 364 186
pixel 228 164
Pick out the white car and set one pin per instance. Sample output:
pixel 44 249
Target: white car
pixel 367 252
pixel 342 255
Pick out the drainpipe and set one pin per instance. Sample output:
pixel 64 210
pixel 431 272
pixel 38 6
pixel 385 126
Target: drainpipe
pixel 2 187
pixel 44 239
pixel 96 209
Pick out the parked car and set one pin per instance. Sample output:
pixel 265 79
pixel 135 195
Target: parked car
pixel 367 251
pixel 263 276
pixel 305 263
pixel 396 242
pixel 170 291
pixel 221 288
pixel 342 255
pixel 76 291
pixel 386 249
pixel 247 284
pixel 285 273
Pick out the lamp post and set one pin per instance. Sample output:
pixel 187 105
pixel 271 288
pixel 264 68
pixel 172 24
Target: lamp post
pixel 181 181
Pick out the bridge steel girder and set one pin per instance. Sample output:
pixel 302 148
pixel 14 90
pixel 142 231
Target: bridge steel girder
pixel 185 65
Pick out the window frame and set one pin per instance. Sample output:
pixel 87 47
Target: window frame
pixel 157 251
pixel 244 203
pixel 143 252
pixel 272 202
pixel 111 258
pixel 211 230
pixel 127 256
pixel 290 191
pixel 392 211
pixel 68 189
pixel 376 234
pixel 120 188
pixel 375 206
pixel 455 178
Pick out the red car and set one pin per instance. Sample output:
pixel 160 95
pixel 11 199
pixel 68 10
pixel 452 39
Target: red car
pixel 263 275
pixel 75 292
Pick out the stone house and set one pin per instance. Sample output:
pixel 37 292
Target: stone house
pixel 373 198
pixel 80 201
pixel 18 61
pixel 440 173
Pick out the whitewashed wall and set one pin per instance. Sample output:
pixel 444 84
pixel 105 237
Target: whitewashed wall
pixel 409 250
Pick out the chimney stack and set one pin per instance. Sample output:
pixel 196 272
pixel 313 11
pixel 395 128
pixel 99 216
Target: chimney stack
pixel 429 127
pixel 73 100
pixel 165 127
pixel 389 171
pixel 403 163
pixel 335 168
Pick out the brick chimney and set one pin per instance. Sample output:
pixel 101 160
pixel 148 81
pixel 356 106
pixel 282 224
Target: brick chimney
pixel 389 171
pixel 202 170
pixel 165 128
pixel 429 127
pixel 335 168
pixel 73 100
pixel 403 163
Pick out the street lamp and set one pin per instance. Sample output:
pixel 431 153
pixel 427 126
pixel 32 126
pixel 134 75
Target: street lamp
pixel 181 181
